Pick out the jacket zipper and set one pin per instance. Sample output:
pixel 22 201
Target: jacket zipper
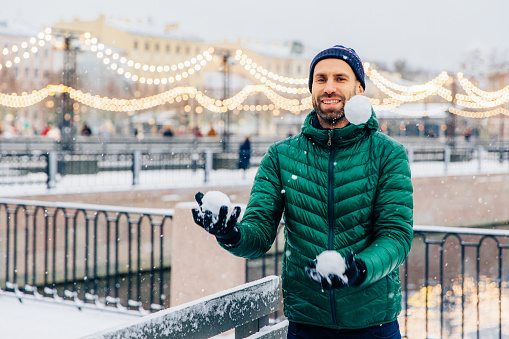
pixel 330 211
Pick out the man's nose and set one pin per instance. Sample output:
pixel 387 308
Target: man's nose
pixel 329 87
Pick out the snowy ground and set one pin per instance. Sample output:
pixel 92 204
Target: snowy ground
pixel 32 317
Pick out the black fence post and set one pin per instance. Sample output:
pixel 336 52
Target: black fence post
pixel 51 169
pixel 136 168
pixel 208 164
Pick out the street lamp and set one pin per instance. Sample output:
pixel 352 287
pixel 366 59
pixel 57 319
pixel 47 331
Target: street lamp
pixel 227 61
pixel 66 118
pixel 451 128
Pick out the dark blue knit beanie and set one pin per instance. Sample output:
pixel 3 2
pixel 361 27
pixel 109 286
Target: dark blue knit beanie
pixel 343 53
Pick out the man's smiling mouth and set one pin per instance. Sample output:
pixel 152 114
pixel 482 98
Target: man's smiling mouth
pixel 330 101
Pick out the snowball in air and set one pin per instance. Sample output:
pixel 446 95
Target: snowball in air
pixel 213 200
pixel 331 262
pixel 358 110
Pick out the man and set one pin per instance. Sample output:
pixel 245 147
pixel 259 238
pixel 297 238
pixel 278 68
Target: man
pixel 86 131
pixel 342 187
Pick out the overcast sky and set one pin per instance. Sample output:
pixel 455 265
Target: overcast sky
pixel 434 34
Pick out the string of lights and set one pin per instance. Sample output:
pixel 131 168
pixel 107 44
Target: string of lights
pixel 467 84
pixel 176 94
pixel 410 93
pixel 27 48
pixel 485 100
pixel 475 98
pixel 479 115
pixel 121 64
pixel 255 69
pixel 115 62
pixel 107 53
pixel 430 86
pixel 25 99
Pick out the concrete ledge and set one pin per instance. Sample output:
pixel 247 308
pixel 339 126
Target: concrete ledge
pixel 466 200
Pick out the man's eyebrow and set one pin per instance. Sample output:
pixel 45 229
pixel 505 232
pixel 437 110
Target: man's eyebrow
pixel 336 75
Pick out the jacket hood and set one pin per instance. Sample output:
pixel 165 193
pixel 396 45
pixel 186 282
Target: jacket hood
pixel 340 136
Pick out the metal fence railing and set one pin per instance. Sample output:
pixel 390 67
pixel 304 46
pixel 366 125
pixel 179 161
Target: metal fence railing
pixel 96 254
pixel 116 170
pixel 455 282
pixel 56 170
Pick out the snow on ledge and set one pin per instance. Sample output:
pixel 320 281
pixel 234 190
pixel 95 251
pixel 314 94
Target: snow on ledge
pixel 208 316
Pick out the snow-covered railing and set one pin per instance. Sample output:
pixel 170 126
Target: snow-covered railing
pixel 245 308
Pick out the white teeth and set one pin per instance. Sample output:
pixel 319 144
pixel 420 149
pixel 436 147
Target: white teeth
pixel 330 101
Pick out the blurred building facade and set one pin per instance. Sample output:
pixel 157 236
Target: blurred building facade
pixel 499 124
pixel 161 52
pixel 27 62
pixel 125 59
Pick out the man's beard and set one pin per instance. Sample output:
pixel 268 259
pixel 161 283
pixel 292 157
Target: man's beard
pixel 332 115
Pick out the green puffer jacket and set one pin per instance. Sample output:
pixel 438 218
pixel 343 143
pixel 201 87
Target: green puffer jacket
pixel 347 190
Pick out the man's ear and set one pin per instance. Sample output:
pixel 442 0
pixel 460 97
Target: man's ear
pixel 358 88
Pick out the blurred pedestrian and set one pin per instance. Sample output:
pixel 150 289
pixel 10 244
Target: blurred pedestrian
pixel 45 130
pixel 168 132
pixel 467 134
pixel 197 132
pixel 86 131
pixel 245 154
pixel 212 132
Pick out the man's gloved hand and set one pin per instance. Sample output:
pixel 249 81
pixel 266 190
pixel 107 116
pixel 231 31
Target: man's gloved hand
pixel 225 231
pixel 355 273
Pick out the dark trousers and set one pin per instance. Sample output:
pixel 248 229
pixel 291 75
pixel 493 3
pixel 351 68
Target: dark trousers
pixel 386 331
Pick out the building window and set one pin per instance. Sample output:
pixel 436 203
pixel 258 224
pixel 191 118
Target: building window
pixel 178 50
pixel 147 46
pixel 188 51
pixel 157 47
pixel 167 48
pixel 135 46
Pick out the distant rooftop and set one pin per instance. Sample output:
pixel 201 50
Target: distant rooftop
pixel 288 50
pixel 151 28
pixel 18 28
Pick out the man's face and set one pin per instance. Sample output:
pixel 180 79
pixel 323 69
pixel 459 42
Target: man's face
pixel 334 83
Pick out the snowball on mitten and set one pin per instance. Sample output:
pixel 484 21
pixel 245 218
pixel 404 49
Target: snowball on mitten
pixel 213 200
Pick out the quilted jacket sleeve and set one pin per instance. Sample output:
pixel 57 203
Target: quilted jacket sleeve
pixel 392 217
pixel 261 219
